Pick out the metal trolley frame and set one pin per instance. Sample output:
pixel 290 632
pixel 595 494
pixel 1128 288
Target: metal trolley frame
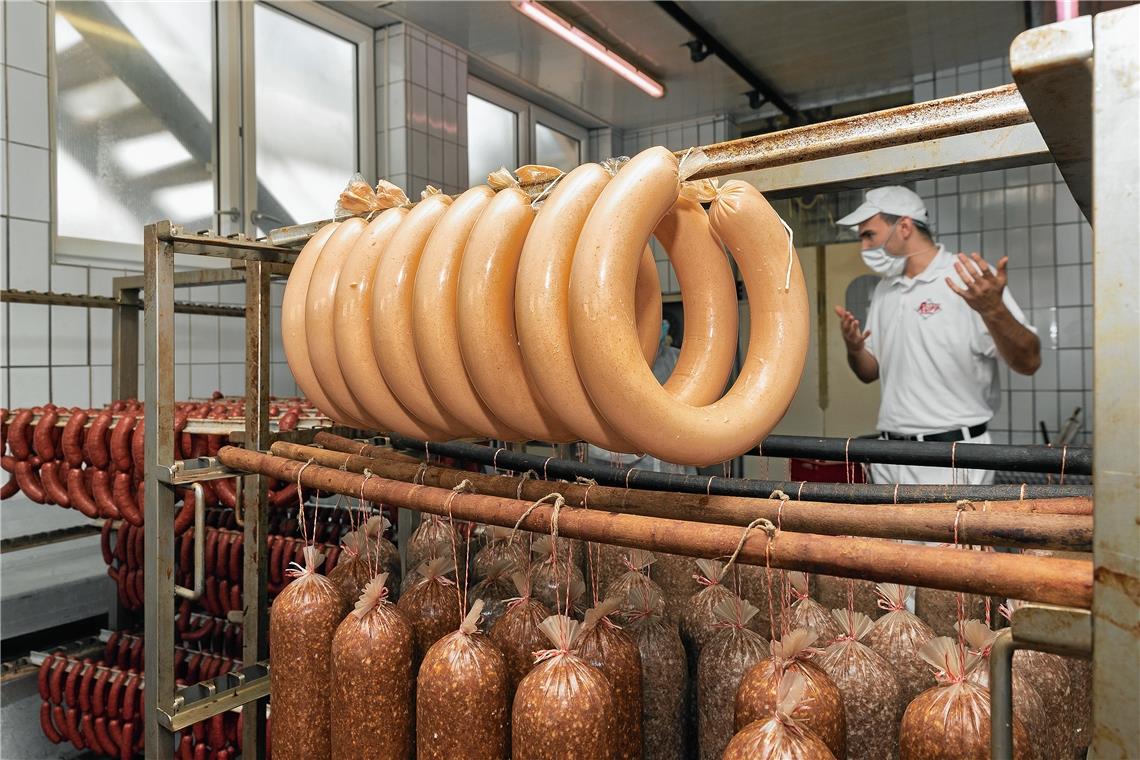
pixel 1088 130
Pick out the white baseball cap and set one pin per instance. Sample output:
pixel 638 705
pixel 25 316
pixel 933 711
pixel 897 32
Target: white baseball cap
pixel 893 199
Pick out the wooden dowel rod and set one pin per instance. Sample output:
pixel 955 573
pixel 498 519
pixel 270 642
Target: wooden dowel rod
pixel 1065 582
pixel 978 525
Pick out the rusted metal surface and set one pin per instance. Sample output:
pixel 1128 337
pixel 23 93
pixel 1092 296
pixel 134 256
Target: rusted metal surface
pixel 973 526
pixel 1060 630
pixel 1001 148
pixel 106 302
pixel 1056 581
pixel 158 555
pixel 1052 67
pixel 1116 402
pixel 254 504
pixel 957 115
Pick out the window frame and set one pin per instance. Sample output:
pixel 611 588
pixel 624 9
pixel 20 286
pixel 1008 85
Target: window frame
pixel 528 115
pixel 233 155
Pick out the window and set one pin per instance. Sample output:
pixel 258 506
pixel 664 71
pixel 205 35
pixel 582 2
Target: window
pixel 134 119
pixel 553 148
pixel 146 129
pixel 492 138
pixel 306 143
pixel 504 130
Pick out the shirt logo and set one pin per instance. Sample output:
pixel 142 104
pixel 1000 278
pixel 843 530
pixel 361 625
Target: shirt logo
pixel 928 308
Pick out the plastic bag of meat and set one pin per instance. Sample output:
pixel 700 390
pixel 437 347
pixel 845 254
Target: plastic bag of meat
pixel 461 697
pixel 518 631
pixel 431 604
pixel 503 545
pixel 613 651
pixel 822 707
pixel 372 656
pixel 898 637
pixel 302 622
pixel 432 538
pixel 732 652
pixel 353 571
pixel 780 737
pixel 564 707
pixel 832 592
pixel 806 612
pixel 496 590
pixel 1027 704
pixel 664 676
pixel 637 563
pixel 869 689
pixel 952 720
pixel 550 580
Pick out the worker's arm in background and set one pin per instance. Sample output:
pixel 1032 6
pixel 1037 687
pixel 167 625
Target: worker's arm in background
pixel 983 291
pixel 862 362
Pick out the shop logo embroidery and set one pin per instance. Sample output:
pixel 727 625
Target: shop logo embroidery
pixel 928 308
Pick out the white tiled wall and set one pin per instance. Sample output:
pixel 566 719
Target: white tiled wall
pixel 1029 215
pixel 421 110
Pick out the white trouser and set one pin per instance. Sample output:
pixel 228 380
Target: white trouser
pixel 907 474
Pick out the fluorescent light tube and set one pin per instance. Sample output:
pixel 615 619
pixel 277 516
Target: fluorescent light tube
pixel 590 46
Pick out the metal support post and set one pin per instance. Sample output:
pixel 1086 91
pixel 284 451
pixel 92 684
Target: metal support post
pixel 255 646
pixel 125 344
pixel 1116 402
pixel 158 558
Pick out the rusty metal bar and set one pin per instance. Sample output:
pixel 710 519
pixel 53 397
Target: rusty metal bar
pixel 107 302
pixel 956 115
pixel 1032 578
pixel 909 522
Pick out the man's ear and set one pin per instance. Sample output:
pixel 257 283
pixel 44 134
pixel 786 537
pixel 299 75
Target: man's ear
pixel 906 227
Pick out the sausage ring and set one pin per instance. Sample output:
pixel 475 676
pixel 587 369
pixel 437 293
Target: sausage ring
pixel 293 324
pixel 392 317
pixel 319 301
pixel 435 317
pixel 352 330
pixel 541 314
pixel 603 336
pixel 487 334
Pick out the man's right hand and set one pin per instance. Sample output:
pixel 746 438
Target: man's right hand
pixel 853 336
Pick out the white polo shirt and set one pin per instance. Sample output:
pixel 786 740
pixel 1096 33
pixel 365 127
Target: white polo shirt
pixel 937 360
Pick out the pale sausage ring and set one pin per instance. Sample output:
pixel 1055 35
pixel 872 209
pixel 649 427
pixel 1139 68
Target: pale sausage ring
pixel 393 320
pixel 486 311
pixel 542 315
pixel 320 296
pixel 352 330
pixel 603 335
pixel 435 317
pixel 293 336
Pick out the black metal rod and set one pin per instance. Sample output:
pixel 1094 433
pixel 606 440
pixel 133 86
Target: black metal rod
pixel 1069 460
pixel 853 493
pixel 730 59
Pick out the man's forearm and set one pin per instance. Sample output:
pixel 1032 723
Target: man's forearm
pixel 864 365
pixel 1017 344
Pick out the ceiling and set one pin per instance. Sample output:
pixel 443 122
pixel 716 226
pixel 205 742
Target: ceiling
pixel 814 53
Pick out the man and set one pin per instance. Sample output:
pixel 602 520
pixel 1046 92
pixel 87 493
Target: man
pixel 936 325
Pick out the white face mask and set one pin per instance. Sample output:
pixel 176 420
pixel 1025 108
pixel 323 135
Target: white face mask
pixel 882 263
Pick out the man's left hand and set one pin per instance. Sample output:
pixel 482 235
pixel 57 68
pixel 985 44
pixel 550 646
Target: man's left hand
pixel 983 291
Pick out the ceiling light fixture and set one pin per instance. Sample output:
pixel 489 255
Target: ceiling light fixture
pixel 588 45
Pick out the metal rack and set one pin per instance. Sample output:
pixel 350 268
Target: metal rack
pixel 975 132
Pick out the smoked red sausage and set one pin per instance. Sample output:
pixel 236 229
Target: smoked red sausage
pixel 29 483
pixel 72 442
pixel 19 438
pixel 46 724
pixel 43 436
pixel 56 491
pixel 95 442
